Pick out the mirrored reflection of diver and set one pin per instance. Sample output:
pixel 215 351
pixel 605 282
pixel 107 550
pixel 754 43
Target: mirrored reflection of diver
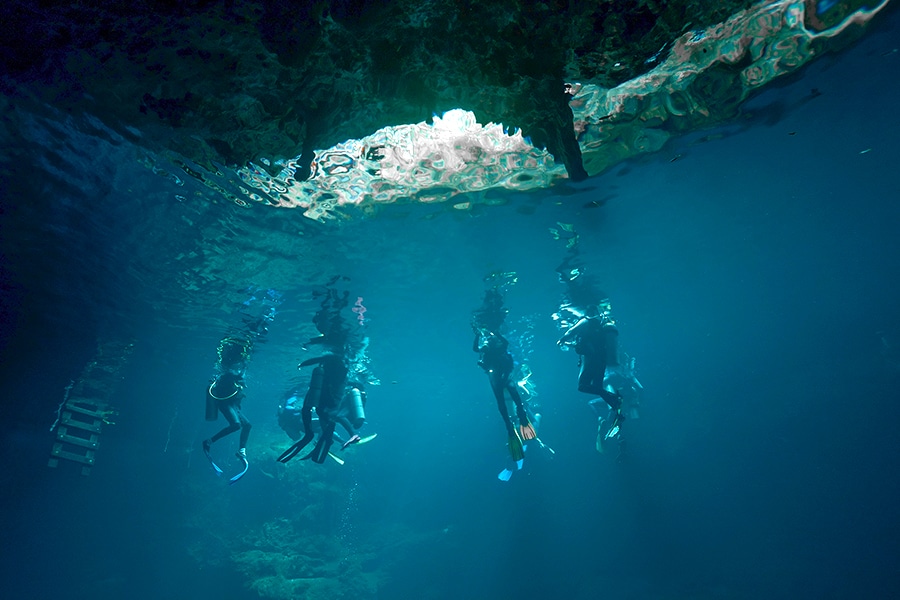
pixel 334 330
pixel 336 393
pixel 226 390
pixel 622 381
pixel 498 364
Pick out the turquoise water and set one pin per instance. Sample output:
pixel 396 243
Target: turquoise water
pixel 753 274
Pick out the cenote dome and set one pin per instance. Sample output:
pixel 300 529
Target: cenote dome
pixel 498 300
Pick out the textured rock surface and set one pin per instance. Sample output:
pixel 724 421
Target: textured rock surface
pixel 261 80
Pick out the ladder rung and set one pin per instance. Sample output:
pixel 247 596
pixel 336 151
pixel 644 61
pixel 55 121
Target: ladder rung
pixel 91 412
pixel 93 426
pixel 87 458
pixel 91 442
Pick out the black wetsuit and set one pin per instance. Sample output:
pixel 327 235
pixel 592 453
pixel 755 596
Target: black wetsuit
pixel 498 363
pixel 228 395
pixel 596 343
pixel 325 393
pixel 290 417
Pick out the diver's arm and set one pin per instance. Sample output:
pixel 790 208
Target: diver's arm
pixel 311 361
pixel 572 331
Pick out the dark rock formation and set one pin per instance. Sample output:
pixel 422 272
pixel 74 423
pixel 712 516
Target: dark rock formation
pixel 259 80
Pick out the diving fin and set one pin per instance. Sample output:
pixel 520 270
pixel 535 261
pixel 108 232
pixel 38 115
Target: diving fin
pixel 545 446
pixel 352 440
pixel 320 452
pixel 337 459
pixel 295 449
pixel 358 441
pixel 506 473
pixel 216 468
pixel 515 446
pixel 613 431
pixel 527 431
pixel 240 454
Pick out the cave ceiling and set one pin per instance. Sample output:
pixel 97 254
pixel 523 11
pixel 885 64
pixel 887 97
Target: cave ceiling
pixel 269 83
pixel 241 81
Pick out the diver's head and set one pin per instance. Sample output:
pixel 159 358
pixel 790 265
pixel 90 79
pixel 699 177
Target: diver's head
pixel 604 306
pixel 567 275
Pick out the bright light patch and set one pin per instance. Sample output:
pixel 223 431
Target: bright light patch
pixel 422 162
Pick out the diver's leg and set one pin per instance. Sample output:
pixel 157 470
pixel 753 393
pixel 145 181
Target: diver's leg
pixel 590 378
pixel 245 430
pixel 497 388
pixel 613 399
pixel 306 415
pixel 521 413
pixel 344 422
pixel 320 452
pixel 231 415
pixel 598 372
pixel 498 383
pixel 584 376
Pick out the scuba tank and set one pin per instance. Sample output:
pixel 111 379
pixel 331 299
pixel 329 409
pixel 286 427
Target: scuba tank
pixel 212 408
pixel 357 407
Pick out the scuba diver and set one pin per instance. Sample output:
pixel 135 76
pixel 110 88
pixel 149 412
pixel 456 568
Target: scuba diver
pixel 526 388
pixel 289 414
pixel 595 338
pixel 587 324
pixel 326 388
pixel 350 416
pixel 225 394
pixel 336 389
pixel 226 390
pixel 596 341
pixel 498 364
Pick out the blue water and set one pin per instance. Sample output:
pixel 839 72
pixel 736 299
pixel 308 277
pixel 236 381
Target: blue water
pixel 755 279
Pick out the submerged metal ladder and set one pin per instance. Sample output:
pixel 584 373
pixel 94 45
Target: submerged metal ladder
pixel 86 408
